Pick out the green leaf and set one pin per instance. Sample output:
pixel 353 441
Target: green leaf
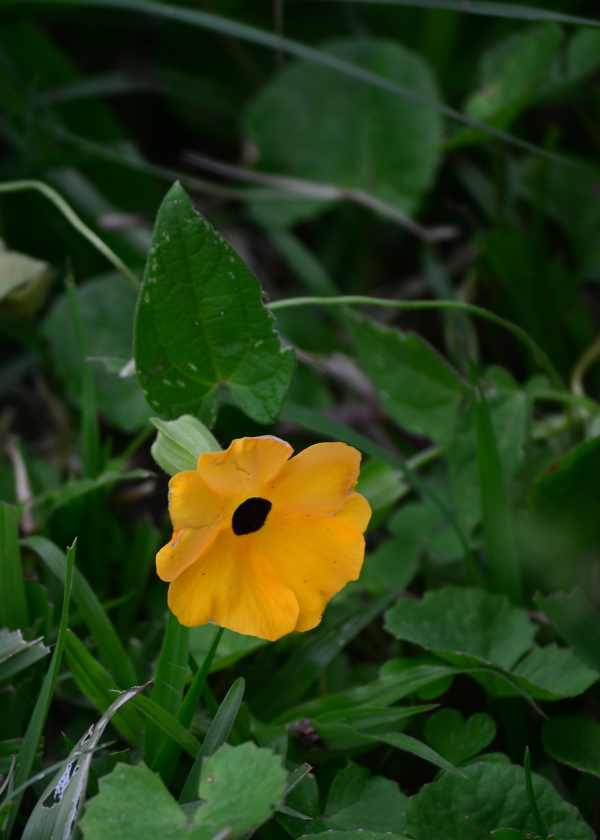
pixel 489 796
pixel 564 495
pixel 13 606
pixel 300 133
pixel 16 654
pixel 201 325
pixel 348 729
pixel 290 682
pixel 576 621
pixel 169 682
pixel 179 443
pixel 416 386
pixel 96 683
pixel 574 741
pixel 29 745
pixel 120 811
pixel 458 739
pixel 512 73
pixel 241 788
pixel 552 673
pixel 406 743
pixel 218 733
pixel 504 571
pixel 464 626
pixel 392 566
pixel 106 307
pixel 232 647
pixel 358 800
pixel 57 810
pixel 107 639
pixel 24 282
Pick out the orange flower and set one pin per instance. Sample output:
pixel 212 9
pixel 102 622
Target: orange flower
pixel 262 541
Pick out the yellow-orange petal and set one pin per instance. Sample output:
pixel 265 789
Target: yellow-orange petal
pixel 314 555
pixel 245 467
pixel 233 586
pixel 356 511
pixel 192 504
pixel 318 479
pixel 185 548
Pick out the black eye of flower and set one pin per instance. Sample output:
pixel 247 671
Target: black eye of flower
pixel 250 516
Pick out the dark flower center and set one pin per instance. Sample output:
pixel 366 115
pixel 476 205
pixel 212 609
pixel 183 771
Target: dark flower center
pixel 250 516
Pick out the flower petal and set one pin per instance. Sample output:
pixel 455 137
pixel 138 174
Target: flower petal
pixel 319 478
pixel 247 465
pixel 314 555
pixel 192 504
pixel 233 586
pixel 356 512
pixel 186 547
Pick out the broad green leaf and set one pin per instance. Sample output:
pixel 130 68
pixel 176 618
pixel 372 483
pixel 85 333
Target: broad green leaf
pixel 458 739
pixel 232 646
pixel 565 495
pixel 179 443
pixel 16 654
pixel 511 75
pixel 13 605
pixel 381 484
pixel 106 306
pixel 423 523
pixel 358 800
pixel 57 810
pixel 133 802
pixel 489 796
pixel 551 673
pixel 392 566
pixel 575 621
pixel 300 133
pixel 201 326
pixel 416 386
pixel 464 626
pixel 574 741
pixel 241 788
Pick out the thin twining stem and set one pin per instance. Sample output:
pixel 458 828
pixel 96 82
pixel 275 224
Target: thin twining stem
pixel 72 217
pixel 536 351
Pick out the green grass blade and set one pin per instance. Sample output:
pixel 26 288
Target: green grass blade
pixel 169 752
pixel 502 562
pixel 13 605
pixel 171 676
pixel 29 746
pixel 168 725
pixel 218 733
pixel 109 644
pixel 95 682
pixel 263 38
pixel 479 7
pixel 90 430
